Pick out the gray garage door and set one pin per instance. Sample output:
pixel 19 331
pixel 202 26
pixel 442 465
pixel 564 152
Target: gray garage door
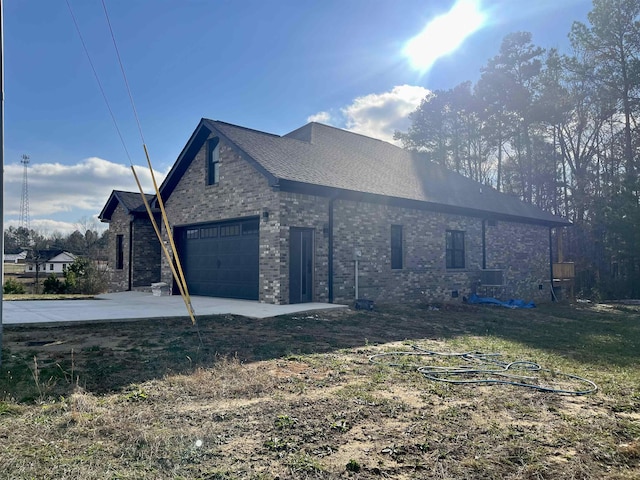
pixel 221 259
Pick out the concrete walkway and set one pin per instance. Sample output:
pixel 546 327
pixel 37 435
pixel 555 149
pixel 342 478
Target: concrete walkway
pixel 134 305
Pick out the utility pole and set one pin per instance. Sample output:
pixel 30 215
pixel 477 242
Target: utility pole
pixel 25 221
pixel 1 163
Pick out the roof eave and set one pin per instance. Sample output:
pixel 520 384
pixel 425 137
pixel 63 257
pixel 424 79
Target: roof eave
pixel 332 192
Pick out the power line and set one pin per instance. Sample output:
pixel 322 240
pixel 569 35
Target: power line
pixel 95 74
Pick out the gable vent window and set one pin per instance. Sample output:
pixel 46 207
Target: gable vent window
pixel 213 161
pixel 396 247
pixel 119 252
pixel 455 249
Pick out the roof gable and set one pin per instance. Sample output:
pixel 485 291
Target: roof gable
pixel 131 202
pixel 62 257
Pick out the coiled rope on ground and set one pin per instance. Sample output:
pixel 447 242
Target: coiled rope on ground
pixel 484 368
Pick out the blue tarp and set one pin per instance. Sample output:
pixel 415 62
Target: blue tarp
pixel 494 301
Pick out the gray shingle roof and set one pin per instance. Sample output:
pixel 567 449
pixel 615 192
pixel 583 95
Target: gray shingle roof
pixel 325 156
pixel 130 201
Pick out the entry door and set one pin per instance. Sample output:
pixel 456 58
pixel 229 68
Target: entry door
pixel 301 265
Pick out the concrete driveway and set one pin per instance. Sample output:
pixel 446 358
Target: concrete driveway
pixel 133 305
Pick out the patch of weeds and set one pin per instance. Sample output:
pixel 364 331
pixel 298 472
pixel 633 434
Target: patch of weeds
pixel 93 348
pixel 284 421
pixel 136 395
pixel 9 409
pixel 303 463
pixel 220 476
pixel 361 392
pixel 276 444
pixel 44 387
pixel 341 426
pixel 629 429
pixel 353 466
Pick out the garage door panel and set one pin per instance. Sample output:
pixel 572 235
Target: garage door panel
pixel 222 266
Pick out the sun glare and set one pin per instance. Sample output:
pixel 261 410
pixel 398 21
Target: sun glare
pixel 444 34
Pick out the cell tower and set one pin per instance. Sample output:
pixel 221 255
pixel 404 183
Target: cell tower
pixel 24 201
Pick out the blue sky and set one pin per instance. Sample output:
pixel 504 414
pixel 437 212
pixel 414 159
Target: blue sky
pixel 271 65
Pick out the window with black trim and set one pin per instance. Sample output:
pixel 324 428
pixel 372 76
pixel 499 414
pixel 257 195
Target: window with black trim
pixel 455 249
pixel 119 252
pixel 209 232
pixel 193 233
pixel 230 230
pixel 251 227
pixel 213 161
pixel 396 247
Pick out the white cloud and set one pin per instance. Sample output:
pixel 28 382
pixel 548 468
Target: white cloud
pixel 377 115
pixel 320 117
pixel 47 227
pixel 69 191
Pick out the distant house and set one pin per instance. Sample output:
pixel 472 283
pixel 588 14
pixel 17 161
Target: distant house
pixel 48 261
pixel 15 258
pixel 323 214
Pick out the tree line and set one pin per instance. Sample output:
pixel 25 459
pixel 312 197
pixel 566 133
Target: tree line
pixel 91 244
pixel 558 130
pixel 87 273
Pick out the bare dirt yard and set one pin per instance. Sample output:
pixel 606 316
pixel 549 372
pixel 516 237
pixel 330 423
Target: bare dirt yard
pixel 298 397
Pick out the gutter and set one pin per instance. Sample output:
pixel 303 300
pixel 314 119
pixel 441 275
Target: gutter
pixel 484 244
pixel 553 295
pixel 130 266
pixel 330 259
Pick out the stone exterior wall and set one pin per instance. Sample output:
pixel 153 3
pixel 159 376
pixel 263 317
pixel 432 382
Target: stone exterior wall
pixel 119 225
pixel 241 192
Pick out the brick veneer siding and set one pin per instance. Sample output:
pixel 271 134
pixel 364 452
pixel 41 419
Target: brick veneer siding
pixel 305 211
pixel 145 252
pixel 521 250
pixel 119 225
pixel 367 228
pixel 241 192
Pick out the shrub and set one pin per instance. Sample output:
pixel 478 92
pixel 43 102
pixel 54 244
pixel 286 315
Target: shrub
pixel 82 276
pixel 53 285
pixel 13 286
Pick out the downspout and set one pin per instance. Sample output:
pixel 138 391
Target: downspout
pixel 484 244
pixel 330 260
pixel 130 254
pixel 553 295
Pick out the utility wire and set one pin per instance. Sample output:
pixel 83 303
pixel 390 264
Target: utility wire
pixel 178 272
pixel 124 76
pixel 179 275
pixel 95 74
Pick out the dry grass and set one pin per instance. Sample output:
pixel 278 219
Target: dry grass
pixel 296 398
pixel 49 296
